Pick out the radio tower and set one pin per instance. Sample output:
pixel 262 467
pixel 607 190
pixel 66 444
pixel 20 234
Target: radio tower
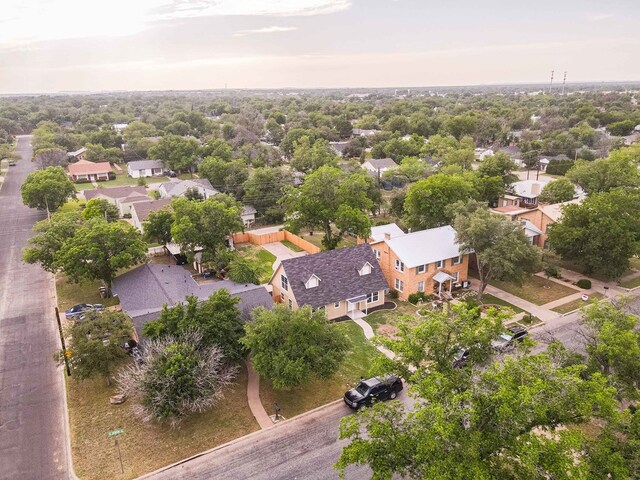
pixel 564 81
pixel 551 83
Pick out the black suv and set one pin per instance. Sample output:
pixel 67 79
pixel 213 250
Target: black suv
pixel 373 390
pixel 507 340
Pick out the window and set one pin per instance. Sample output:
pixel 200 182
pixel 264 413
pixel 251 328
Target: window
pixel 421 268
pixel 421 286
pixel 284 281
pixel 282 297
pixel 337 305
pixel 290 305
pixel 373 297
pixel 312 282
pixel 365 270
pixel 439 264
pixel 455 276
pixel 455 260
pixel 377 254
pixel 399 284
pixel 399 266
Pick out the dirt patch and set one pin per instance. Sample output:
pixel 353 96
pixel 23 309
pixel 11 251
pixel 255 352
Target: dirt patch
pixel 388 331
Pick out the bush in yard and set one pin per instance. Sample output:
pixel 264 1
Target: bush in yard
pixel 414 298
pixel 584 283
pixel 291 347
pixel 393 294
pixel 241 271
pixel 552 271
pixel 179 376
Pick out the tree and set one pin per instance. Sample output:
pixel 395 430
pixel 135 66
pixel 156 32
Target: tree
pixel 264 189
pixel 205 224
pixel 49 237
pixel 99 249
pixel 329 198
pixel 51 157
pixel 343 126
pixel 100 208
pixel 218 148
pixel 293 136
pixel 613 346
pixel 502 250
pixel 275 132
pixel 241 271
pixel 47 189
pixel 227 177
pixel 605 174
pixel 177 153
pixel 587 227
pixel 157 226
pixel 179 376
pixel 96 343
pixel 620 129
pixel 477 421
pixel 98 153
pixel 499 165
pixel 427 202
pixel 291 347
pixel 560 190
pixel 217 319
pixel 308 156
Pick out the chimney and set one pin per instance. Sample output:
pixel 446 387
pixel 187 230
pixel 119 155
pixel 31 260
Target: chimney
pixel 535 188
pixel 387 236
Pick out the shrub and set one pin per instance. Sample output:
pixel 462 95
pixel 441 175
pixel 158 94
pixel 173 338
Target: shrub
pixel 584 283
pixel 393 294
pixel 552 271
pixel 416 297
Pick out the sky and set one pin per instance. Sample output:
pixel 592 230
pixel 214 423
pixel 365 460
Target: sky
pixel 95 45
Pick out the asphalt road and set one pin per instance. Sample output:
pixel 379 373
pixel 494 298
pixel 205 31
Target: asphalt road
pixel 32 423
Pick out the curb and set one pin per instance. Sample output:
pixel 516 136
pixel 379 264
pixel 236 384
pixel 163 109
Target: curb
pixel 239 439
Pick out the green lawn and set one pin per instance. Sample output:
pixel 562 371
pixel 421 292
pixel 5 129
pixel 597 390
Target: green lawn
pixel 260 259
pixel 576 304
pixel 70 294
pixel 535 289
pixel 631 283
pixel 391 317
pixel 291 246
pixel 488 299
pixel 316 239
pixel 120 181
pixel 72 206
pixel 146 446
pixel 319 391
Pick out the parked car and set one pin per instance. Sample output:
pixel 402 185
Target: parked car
pixel 12 163
pixel 172 174
pixel 82 308
pixel 507 340
pixel 373 390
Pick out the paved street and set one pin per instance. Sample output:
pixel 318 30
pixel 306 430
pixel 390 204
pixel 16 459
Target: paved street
pixel 32 427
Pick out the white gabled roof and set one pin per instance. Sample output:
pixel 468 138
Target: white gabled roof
pixel 377 233
pixel 554 211
pixel 530 230
pixel 425 246
pixel 528 188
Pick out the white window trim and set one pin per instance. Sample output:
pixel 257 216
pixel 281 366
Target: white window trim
pixel 455 276
pixel 439 264
pixel 284 282
pixel 454 262
pixel 371 299
pixel 421 283
pixel 421 268
pixel 399 265
pixel 399 285
pixel 337 304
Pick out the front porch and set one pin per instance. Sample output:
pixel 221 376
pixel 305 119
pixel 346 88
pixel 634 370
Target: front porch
pixel 357 307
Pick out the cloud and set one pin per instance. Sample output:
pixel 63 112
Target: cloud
pixel 273 29
pixel 25 22
pixel 599 17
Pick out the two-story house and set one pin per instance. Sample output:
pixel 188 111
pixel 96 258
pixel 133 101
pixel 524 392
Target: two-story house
pixel 347 282
pixel 427 261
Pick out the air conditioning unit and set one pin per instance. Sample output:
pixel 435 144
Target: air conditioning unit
pixel 466 284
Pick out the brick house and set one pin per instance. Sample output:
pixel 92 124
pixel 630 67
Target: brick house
pixel 345 283
pixel 427 261
pixel 85 171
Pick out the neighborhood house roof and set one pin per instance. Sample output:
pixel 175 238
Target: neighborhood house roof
pixel 530 229
pixel 77 152
pixel 425 246
pixel 143 209
pixel 248 210
pixel 528 188
pixel 338 271
pixel 85 167
pixel 144 290
pixel 115 192
pixel 377 163
pixel 378 233
pixel 145 164
pixel 177 189
pixel 554 212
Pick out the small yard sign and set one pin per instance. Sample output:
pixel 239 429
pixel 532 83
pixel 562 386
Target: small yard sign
pixel 116 432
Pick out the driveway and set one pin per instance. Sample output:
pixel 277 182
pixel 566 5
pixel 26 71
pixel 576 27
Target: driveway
pixel 32 416
pixel 282 252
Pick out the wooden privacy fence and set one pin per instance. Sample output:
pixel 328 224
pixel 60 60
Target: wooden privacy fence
pixel 273 237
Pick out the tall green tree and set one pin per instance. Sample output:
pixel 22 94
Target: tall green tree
pixel 501 248
pixel 177 153
pixel 47 189
pixel 217 319
pixel 99 249
pixel 428 201
pixel 264 189
pixel 95 346
pixel 157 226
pixel 330 200
pixel 560 190
pixel 499 165
pixel 605 174
pixel 309 156
pixel 205 224
pixel 100 208
pixel 291 347
pixel 228 177
pixel 49 237
pixel 586 231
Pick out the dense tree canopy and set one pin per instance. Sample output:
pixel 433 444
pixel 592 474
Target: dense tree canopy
pixel 560 190
pixel 47 189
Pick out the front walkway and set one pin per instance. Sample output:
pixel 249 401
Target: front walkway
pixel 369 334
pixel 253 397
pixel 281 252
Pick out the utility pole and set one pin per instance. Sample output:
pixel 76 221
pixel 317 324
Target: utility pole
pixel 551 83
pixel 564 81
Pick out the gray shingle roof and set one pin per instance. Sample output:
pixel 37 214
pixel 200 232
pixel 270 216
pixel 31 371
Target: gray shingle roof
pixel 144 290
pixel 338 274
pixel 382 163
pixel 143 209
pixel 176 189
pixel 115 192
pixel 145 164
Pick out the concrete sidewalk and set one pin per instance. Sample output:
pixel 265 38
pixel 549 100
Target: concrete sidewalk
pixel 369 334
pixel 253 397
pixel 281 252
